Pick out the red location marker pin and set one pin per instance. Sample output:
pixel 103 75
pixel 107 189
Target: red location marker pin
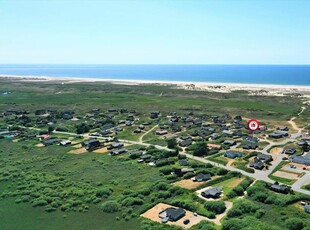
pixel 253 125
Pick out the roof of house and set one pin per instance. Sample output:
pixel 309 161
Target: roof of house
pixel 118 151
pixel 186 170
pixel 65 142
pixel 301 159
pixel 289 150
pixel 229 142
pixel 50 141
pixel 279 187
pixel 250 146
pixel 228 132
pixel 233 154
pixel 213 191
pixel 186 142
pixel 250 139
pixel 172 213
pixel 264 157
pixel 202 177
pixel 91 141
pixel 145 156
pixel 256 164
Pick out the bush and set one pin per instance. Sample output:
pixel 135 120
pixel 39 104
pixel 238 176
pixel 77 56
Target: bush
pixel 294 224
pixel 221 172
pixel 129 201
pixel 103 192
pixel 242 207
pixel 110 206
pixel 217 207
pixel 260 213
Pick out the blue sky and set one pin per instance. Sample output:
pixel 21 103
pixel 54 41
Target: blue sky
pixel 155 32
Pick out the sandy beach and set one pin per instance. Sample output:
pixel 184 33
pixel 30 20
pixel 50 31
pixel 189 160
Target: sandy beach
pixel 254 89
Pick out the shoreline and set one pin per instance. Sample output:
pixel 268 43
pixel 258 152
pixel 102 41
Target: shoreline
pixel 133 81
pixel 217 87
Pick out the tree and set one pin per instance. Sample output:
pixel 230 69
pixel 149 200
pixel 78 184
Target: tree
pixel 217 207
pixel 171 143
pixel 110 206
pixel 50 129
pixel 201 149
pixel 294 223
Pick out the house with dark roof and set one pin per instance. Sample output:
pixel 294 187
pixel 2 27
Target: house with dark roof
pixel 250 146
pixel 91 144
pixel 154 114
pixel 213 192
pixel 118 151
pixel 145 157
pixel 250 139
pixel 233 154
pixel 105 132
pixel 202 177
pixel 279 134
pixel 228 133
pixel 185 137
pixel 285 128
pixel 302 143
pixel 257 164
pixel 275 135
pixel 115 145
pixel 214 136
pixel 307 208
pixel 229 142
pixel 197 122
pixel 186 143
pixel 264 157
pixel 280 188
pixel 289 151
pixel 50 141
pixel 161 132
pixel 305 160
pixel 172 214
pixel 128 123
pixel 137 130
pixel 107 126
pixel 67 116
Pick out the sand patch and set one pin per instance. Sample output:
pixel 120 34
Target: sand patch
pixel 78 151
pixel 287 175
pixel 188 184
pixel 153 213
pixel 276 150
pixel 101 150
pixel 230 162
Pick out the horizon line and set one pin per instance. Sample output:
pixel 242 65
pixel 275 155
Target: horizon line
pixel 151 64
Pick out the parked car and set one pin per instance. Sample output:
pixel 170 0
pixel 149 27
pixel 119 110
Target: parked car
pixel 186 221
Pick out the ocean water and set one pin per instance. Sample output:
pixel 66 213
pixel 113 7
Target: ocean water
pixel 248 74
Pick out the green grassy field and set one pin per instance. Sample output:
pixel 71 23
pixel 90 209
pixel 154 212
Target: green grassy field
pixel 48 188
